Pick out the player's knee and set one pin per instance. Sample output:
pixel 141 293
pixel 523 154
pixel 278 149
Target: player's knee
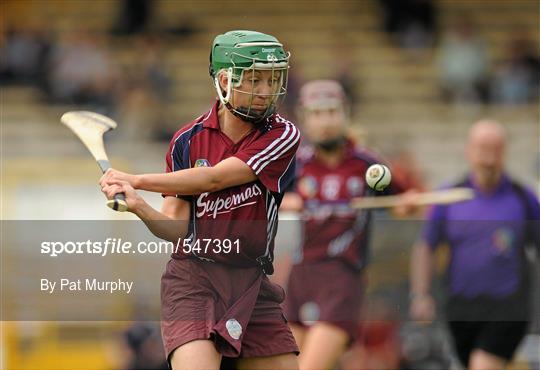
pixel 323 346
pixel 322 331
pixel 482 360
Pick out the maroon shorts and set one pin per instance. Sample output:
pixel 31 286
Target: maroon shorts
pixel 328 291
pixel 237 308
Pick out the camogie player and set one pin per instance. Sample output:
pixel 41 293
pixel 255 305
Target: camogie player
pixel 327 283
pixel 226 173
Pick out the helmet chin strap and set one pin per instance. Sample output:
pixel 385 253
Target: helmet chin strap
pixel 254 117
pixel 242 113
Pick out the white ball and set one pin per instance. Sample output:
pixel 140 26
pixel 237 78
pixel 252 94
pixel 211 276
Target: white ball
pixel 378 177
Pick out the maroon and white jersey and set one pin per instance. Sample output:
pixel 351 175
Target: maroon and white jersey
pixel 243 217
pixel 331 228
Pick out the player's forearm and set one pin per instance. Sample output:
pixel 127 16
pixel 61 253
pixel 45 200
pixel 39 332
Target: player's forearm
pixel 421 269
pixel 161 225
pixel 190 181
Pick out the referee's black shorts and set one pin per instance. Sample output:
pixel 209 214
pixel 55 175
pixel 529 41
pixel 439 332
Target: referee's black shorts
pixel 496 326
pixel 500 338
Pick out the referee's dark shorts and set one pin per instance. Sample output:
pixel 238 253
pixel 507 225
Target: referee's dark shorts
pixel 496 326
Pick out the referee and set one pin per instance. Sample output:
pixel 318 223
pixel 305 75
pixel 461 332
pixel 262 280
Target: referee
pixel 488 306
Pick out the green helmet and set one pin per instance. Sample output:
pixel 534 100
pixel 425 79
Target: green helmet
pixel 236 52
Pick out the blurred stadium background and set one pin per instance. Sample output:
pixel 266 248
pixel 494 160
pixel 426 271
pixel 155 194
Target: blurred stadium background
pixel 418 72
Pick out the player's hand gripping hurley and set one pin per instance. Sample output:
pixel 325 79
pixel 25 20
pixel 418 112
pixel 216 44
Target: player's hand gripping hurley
pixel 89 128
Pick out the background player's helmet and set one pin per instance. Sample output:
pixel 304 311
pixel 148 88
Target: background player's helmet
pixel 322 94
pixel 238 51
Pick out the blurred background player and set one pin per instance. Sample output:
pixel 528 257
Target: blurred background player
pixel 226 173
pixel 326 283
pixel 488 306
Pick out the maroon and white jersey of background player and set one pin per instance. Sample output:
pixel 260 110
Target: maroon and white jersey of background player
pixel 331 228
pixel 244 217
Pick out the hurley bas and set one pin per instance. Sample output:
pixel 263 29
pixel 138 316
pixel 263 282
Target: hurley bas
pixel 89 285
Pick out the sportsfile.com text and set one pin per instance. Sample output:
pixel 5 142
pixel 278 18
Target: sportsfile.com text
pixel 121 246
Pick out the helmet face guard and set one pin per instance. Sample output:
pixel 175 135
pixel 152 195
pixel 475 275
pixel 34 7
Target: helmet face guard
pixel 240 85
pixel 262 56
